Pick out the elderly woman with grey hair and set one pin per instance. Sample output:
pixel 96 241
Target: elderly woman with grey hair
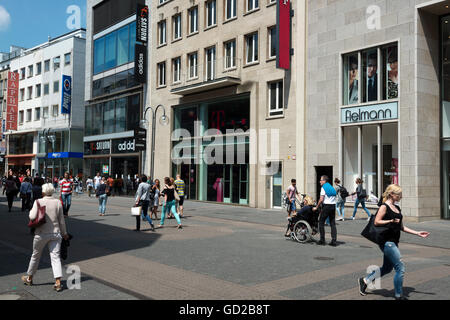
pixel 50 233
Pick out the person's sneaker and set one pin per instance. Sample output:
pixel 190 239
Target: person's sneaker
pixel 153 227
pixel 333 243
pixel 368 219
pixel 362 286
pixel 401 298
pixel 321 243
pixel 352 218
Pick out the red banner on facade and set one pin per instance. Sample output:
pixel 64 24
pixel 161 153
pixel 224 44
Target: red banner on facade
pixel 12 102
pixel 284 34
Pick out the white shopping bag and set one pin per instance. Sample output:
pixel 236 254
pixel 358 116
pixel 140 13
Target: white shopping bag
pixel 136 211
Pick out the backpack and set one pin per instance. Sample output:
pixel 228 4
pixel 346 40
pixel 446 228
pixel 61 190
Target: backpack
pixel 363 194
pixel 343 192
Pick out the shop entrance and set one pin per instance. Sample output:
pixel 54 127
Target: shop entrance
pixel 188 174
pixel 322 171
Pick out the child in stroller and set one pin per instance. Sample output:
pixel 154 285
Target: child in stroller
pixel 306 214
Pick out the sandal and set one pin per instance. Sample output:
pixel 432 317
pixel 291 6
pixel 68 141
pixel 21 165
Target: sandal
pixel 180 226
pixel 26 281
pixel 57 288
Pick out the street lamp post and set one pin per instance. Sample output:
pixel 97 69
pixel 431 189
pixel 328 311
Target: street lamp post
pixel 46 137
pixel 164 120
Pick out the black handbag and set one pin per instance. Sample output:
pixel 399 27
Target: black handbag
pixel 374 233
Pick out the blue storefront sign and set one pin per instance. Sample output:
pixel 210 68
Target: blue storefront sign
pixel 377 112
pixel 65 155
pixel 66 102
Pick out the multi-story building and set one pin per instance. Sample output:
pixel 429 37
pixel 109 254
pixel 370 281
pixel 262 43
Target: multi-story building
pixel 114 99
pixel 378 92
pixel 48 140
pixel 236 121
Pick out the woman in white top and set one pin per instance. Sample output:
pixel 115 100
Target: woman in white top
pixel 50 233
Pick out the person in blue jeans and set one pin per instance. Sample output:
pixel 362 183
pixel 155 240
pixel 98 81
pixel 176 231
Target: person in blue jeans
pixel 143 196
pixel 389 215
pixel 360 198
pixel 169 203
pixel 102 195
pixel 340 203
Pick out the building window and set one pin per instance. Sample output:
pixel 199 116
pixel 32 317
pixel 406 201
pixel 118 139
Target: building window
pixel 21 117
pixel 230 9
pixel 230 54
pixel 193 20
pixel 373 83
pixel 252 5
pixel 38 90
pixel 251 48
pixel 37 114
pixel 30 93
pixel 29 115
pixel 22 94
pixel 161 74
pixel 46 89
pixel 30 71
pixel 176 67
pixel 56 63
pixel 162 32
pixel 210 56
pixel 55 111
pixel 46 65
pixel 115 48
pixel 211 13
pixel 193 65
pixel 38 68
pixel 55 86
pixel 176 27
pixel 272 42
pixel 276 98
pixel 67 59
pixel 22 73
pixel 45 112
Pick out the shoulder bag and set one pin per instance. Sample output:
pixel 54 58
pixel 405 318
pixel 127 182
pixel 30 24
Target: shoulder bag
pixel 40 219
pixel 175 194
pixel 374 233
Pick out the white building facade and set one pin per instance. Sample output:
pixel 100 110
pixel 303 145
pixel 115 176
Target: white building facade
pixel 49 141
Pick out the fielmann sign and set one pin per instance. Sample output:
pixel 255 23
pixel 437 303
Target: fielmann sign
pixel 377 112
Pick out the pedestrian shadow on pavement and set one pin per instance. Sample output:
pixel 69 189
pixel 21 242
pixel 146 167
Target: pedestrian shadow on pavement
pixel 406 292
pixel 91 240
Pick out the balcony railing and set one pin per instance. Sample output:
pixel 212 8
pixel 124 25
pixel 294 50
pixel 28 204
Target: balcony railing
pixel 230 67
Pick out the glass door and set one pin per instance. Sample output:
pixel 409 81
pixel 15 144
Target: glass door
pixel 227 184
pixel 276 188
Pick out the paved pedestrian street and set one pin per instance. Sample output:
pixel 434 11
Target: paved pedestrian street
pixel 223 252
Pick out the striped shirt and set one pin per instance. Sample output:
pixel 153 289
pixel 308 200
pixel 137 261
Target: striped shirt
pixel 180 187
pixel 66 186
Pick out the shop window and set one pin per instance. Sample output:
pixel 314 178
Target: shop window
pixel 350 158
pixel 229 115
pixel 351 82
pixel 185 119
pixel 390 154
pixel 370 159
pixel 370 75
pixel 390 73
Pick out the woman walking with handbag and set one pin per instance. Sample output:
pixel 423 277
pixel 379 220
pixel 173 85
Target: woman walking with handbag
pixel 361 196
pixel 169 203
pixel 48 234
pixel 390 215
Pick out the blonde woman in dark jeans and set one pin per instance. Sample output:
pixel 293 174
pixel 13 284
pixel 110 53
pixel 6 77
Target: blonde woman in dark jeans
pixel 390 215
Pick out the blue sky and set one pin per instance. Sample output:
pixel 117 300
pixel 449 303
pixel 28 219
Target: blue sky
pixel 27 23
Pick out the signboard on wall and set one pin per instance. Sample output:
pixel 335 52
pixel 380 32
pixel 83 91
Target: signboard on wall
pixel 142 24
pixel 66 101
pixel 140 64
pixel 371 113
pixel 12 101
pixel 283 30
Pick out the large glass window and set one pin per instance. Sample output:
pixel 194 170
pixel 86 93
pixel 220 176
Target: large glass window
pixel 114 83
pixel 351 82
pixel 121 113
pixel 109 117
pixel 350 158
pixel 370 75
pixel 115 48
pixel 21 144
pixel 185 118
pixel 390 73
pixel 390 154
pixel 369 159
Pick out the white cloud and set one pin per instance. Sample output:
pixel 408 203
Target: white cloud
pixel 5 19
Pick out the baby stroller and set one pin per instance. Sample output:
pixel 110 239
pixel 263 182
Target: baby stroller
pixel 304 226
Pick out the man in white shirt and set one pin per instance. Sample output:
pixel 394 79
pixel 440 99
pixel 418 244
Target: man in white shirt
pixel 328 198
pixel 97 180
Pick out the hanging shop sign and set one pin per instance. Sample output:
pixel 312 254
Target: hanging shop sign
pixel 283 31
pixel 377 112
pixel 140 63
pixel 66 99
pixel 12 101
pixel 142 23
